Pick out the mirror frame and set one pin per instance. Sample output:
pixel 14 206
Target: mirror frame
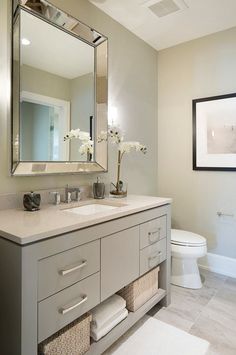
pixel 41 168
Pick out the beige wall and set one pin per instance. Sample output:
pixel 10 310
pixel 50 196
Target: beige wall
pixel 82 107
pixel 132 89
pixel 200 68
pixel 44 83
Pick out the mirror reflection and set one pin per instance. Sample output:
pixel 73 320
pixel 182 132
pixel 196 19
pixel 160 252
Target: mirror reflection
pixel 56 91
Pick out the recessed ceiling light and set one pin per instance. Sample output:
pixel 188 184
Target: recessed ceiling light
pixel 25 42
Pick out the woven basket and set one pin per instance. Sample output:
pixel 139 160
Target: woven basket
pixel 74 339
pixel 141 290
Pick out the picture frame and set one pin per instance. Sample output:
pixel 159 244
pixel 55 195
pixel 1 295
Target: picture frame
pixel 214 133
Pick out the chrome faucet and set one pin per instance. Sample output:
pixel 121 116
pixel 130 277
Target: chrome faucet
pixel 57 197
pixel 72 194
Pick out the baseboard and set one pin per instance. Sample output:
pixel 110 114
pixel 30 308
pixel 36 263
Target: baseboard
pixel 219 264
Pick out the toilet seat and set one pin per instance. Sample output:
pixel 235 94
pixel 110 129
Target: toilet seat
pixel 186 239
pixel 193 245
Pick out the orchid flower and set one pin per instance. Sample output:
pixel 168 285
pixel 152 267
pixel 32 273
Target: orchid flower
pixel 116 136
pixel 87 144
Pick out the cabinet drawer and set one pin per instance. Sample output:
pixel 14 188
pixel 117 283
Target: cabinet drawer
pixel 62 270
pixel 152 256
pixel 152 231
pixel 59 310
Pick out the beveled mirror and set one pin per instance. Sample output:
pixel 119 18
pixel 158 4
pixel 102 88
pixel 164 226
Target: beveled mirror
pixel 59 83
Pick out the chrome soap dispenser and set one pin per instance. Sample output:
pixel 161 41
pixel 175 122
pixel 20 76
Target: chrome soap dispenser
pixel 99 189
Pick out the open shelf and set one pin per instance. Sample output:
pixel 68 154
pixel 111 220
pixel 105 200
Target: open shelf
pixel 100 346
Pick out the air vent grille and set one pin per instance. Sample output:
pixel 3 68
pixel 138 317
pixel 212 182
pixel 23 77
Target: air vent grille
pixel 164 8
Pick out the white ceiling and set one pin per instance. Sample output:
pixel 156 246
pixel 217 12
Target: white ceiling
pixel 53 50
pixel 199 18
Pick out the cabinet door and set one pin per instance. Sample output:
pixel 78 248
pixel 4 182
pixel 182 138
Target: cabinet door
pixel 119 261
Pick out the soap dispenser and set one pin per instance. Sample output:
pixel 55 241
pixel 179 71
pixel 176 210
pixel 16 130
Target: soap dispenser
pixel 99 189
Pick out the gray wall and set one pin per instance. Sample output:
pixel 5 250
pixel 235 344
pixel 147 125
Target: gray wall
pixel 132 89
pixel 200 68
pixel 44 83
pixel 82 107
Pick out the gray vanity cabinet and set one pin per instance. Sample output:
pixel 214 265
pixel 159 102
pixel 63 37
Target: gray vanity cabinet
pixel 119 261
pixel 49 283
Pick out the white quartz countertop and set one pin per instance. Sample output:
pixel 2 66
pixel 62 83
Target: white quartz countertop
pixel 24 227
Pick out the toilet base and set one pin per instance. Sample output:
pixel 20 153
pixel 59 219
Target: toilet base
pixel 185 273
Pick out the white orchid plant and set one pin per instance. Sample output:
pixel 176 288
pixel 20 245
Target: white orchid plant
pixel 116 136
pixel 113 135
pixel 87 144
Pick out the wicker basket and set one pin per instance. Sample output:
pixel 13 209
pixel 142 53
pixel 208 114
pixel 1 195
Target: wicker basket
pixel 141 290
pixel 74 339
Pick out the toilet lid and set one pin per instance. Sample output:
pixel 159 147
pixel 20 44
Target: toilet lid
pixel 180 237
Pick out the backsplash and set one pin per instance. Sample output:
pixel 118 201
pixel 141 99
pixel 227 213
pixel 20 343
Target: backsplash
pixel 15 200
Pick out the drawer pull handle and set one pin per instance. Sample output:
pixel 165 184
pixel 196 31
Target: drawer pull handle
pixel 151 259
pixel 66 309
pixel 151 234
pixel 64 272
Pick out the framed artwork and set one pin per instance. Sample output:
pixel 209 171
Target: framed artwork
pixel 214 133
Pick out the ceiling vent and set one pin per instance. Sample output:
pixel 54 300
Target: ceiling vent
pixel 163 8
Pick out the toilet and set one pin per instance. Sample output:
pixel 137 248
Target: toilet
pixel 186 248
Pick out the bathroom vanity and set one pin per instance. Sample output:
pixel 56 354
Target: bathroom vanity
pixel 56 264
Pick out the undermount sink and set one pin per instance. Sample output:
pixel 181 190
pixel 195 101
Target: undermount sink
pixel 93 208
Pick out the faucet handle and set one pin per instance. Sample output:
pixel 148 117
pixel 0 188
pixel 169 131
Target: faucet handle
pixel 77 193
pixel 68 197
pixel 78 196
pixel 72 194
pixel 57 197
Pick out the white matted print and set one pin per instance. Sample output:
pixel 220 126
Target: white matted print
pixel 214 133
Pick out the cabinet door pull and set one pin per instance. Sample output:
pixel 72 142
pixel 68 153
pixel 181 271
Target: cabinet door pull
pixel 66 271
pixel 66 309
pixel 154 260
pixel 152 238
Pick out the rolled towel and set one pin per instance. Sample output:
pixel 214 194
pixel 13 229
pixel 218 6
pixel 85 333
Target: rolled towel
pixel 97 334
pixel 107 309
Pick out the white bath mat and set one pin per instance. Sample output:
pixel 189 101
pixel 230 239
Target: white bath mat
pixel 158 338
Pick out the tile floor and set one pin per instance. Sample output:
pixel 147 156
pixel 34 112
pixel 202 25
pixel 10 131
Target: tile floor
pixel 209 313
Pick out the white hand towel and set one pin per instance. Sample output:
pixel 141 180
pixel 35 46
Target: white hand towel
pixel 97 334
pixel 107 309
pixel 108 322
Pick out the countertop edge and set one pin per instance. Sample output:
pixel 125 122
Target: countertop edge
pixel 23 241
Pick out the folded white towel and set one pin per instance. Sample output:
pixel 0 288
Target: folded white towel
pixel 97 334
pixel 116 316
pixel 107 309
